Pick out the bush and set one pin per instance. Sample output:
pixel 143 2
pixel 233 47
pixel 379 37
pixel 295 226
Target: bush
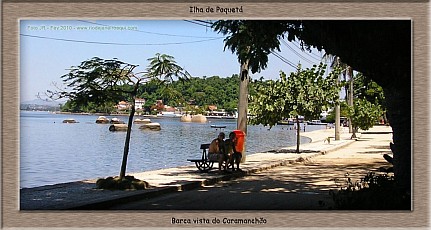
pixel 127 183
pixel 373 192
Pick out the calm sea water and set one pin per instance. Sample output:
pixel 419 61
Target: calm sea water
pixel 53 152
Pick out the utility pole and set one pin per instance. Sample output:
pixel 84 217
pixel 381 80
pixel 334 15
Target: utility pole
pixel 337 122
pixel 350 98
pixel 337 110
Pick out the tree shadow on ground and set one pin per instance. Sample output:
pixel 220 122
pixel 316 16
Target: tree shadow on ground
pixel 299 186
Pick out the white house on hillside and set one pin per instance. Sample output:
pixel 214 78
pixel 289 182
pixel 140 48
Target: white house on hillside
pixel 139 103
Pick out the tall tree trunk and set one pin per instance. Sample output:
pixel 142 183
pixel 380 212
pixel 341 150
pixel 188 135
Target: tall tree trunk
pixel 127 142
pixel 243 97
pixel 298 138
pixel 398 113
pixel 243 103
pixel 353 132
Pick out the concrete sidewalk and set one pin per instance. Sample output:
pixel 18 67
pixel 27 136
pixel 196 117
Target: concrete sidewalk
pixel 84 195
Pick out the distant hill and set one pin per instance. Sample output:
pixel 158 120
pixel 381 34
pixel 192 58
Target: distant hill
pixel 42 102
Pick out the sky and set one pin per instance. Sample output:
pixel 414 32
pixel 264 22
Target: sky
pixel 48 48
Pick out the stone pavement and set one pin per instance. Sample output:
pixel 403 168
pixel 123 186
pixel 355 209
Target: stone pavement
pixel 83 195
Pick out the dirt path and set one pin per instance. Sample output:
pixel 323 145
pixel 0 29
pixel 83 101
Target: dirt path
pixel 299 186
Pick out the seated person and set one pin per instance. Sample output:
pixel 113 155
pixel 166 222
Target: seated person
pixel 235 156
pixel 217 147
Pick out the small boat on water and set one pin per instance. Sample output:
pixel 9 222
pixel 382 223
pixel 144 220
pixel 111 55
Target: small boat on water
pixel 285 122
pixel 289 121
pixel 218 126
pixel 169 114
pixel 316 122
pixel 219 115
pixel 70 120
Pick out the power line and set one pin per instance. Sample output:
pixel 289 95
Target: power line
pixel 148 32
pixel 297 53
pixel 121 44
pixel 283 59
pixel 309 54
pixel 200 22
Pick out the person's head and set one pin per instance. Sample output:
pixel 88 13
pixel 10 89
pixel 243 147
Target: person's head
pixel 221 136
pixel 232 135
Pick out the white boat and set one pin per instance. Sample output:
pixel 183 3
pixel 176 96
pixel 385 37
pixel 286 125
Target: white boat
pixel 219 115
pixel 169 114
pixel 316 122
pixel 289 121
pixel 285 122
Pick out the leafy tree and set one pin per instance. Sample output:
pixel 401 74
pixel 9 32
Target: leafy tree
pixel 215 90
pixel 305 92
pixel 347 84
pixel 369 90
pixel 363 115
pixel 252 41
pixel 97 80
pixel 344 112
pixel 369 47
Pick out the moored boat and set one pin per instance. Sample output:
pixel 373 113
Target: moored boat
pixel 316 122
pixel 218 126
pixel 286 122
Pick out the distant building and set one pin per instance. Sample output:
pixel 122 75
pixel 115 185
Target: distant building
pixel 212 107
pixel 139 103
pixel 122 105
pixel 169 108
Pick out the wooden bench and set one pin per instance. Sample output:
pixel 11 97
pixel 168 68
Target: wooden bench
pixel 205 163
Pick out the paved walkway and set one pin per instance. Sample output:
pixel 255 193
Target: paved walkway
pixel 83 195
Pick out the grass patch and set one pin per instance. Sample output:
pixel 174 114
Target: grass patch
pixel 127 183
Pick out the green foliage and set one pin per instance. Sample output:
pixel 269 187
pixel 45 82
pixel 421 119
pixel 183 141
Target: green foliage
pixel 252 40
pixel 373 192
pixel 344 112
pixel 364 114
pixel 103 107
pixel 97 81
pixel 165 68
pixel 222 92
pixel 368 89
pixel 305 92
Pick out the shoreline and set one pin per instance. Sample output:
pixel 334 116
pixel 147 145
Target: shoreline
pixel 312 135
pixel 83 195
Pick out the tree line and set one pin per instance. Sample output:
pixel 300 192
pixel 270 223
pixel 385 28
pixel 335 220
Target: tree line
pixel 196 91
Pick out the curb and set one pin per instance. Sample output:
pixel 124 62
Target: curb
pixel 146 194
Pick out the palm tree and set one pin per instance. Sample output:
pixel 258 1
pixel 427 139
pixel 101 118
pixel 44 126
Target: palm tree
pixel 346 70
pixel 165 68
pixel 162 67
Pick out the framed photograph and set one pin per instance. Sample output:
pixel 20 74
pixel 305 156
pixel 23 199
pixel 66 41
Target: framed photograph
pixel 112 112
